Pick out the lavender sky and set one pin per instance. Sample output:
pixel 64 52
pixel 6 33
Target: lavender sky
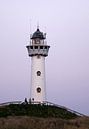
pixel 67 66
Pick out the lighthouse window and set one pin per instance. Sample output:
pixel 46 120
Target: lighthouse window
pixel 37 41
pixel 31 47
pixel 41 47
pixel 36 47
pixel 38 73
pixel 38 90
pixel 45 47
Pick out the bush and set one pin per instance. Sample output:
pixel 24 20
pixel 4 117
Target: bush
pixel 36 110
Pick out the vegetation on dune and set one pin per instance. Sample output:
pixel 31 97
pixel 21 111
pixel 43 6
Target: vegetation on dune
pixel 26 122
pixel 38 116
pixel 36 110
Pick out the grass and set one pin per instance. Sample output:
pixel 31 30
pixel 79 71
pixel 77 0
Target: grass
pixel 26 122
pixel 36 116
pixel 36 110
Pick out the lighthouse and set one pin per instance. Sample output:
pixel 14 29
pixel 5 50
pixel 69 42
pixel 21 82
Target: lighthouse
pixel 38 50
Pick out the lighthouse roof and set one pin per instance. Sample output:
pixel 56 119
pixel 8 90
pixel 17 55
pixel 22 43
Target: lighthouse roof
pixel 38 34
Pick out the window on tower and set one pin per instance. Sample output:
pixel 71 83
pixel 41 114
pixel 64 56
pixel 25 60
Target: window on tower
pixel 36 47
pixel 38 73
pixel 45 47
pixel 31 47
pixel 41 47
pixel 38 90
pixel 37 41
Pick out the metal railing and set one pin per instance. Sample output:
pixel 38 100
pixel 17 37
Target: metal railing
pixel 8 103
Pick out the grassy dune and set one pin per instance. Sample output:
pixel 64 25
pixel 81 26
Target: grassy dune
pixel 30 116
pixel 25 122
pixel 36 110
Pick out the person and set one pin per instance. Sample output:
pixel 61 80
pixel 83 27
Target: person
pixel 26 102
pixel 30 101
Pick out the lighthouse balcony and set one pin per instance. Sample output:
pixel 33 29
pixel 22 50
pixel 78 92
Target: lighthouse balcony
pixel 38 50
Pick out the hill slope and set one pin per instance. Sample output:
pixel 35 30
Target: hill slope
pixel 39 116
pixel 25 122
pixel 36 110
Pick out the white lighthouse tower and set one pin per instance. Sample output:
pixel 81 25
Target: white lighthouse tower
pixel 38 50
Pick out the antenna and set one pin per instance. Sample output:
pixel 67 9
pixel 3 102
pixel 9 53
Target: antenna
pixel 30 27
pixel 45 35
pixel 45 29
pixel 38 25
pixel 30 31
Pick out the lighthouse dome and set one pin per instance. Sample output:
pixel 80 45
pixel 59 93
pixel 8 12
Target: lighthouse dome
pixel 38 34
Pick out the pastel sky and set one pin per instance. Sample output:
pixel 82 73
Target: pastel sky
pixel 66 23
